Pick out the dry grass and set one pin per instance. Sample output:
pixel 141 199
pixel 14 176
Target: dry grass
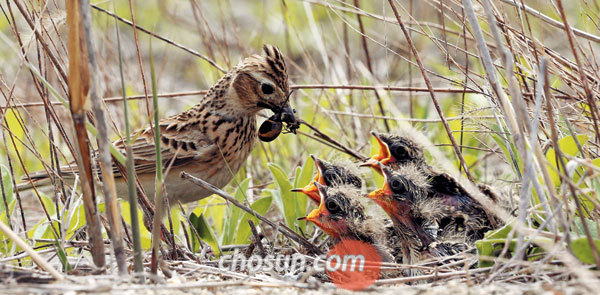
pixel 493 87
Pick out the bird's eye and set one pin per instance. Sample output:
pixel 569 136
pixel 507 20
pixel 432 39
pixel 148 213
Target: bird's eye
pixel 267 88
pixel 332 206
pixel 399 151
pixel 397 186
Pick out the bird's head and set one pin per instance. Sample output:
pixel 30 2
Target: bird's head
pixel 261 82
pixel 395 149
pixel 339 213
pixel 400 191
pixel 329 174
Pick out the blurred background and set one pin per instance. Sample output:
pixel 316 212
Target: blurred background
pixel 352 70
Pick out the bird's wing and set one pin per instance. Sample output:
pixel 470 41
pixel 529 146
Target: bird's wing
pixel 180 142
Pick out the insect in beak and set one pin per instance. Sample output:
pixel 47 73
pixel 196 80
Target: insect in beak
pixel 271 128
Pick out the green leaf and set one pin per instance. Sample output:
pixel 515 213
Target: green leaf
pixel 306 174
pixel 501 233
pixel 284 198
pixel 75 218
pixel 235 214
pixel 583 251
pixel 145 235
pixel 205 233
pixel 568 147
pixel 303 177
pixel 7 188
pixel 14 122
pixel 491 248
pixel 260 206
pixel 494 241
pixel 578 230
pixel 62 255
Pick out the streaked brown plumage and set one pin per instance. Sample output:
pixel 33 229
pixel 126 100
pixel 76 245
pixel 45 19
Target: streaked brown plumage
pixel 212 139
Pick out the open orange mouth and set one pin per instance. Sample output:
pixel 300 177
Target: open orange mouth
pixel 311 189
pixel 317 216
pixel 384 156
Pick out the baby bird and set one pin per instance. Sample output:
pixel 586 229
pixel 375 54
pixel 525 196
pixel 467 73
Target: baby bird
pixel 211 140
pixel 396 151
pixel 405 198
pixel 342 216
pixel 329 174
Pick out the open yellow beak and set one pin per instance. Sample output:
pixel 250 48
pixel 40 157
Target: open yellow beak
pixel 381 195
pixel 383 155
pixel 311 189
pixel 314 215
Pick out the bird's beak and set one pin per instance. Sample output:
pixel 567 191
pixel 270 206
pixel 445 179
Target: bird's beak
pixel 311 189
pixel 383 155
pixel 382 193
pixel 320 168
pixel 286 113
pixel 314 215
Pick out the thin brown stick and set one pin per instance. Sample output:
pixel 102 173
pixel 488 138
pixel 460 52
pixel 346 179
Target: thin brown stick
pixel 257 238
pixel 334 142
pixel 415 52
pixel 139 60
pixel 191 51
pixel 307 86
pixel 584 81
pixel 282 229
pixel 39 260
pixel 560 160
pixel 79 81
pixel 104 157
pixel 552 21
pixel 368 61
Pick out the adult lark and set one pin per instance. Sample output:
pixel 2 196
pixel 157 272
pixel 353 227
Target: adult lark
pixel 212 139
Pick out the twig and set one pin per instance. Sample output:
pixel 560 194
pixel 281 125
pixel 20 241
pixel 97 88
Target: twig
pixel 131 176
pixel 334 142
pixel 584 81
pixel 368 61
pixel 257 238
pixel 104 158
pixel 39 260
pixel 415 52
pixel 561 163
pixel 431 276
pixel 210 61
pixel 552 21
pixel 79 81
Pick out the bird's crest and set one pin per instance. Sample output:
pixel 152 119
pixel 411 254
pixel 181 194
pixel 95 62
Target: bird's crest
pixel 277 68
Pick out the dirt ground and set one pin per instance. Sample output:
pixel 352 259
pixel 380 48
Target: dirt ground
pixel 251 288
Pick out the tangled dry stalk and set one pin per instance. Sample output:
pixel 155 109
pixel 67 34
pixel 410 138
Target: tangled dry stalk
pixel 496 85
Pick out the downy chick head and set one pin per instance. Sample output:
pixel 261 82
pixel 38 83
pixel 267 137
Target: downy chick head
pixel 396 149
pixel 342 215
pixel 402 189
pixel 330 174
